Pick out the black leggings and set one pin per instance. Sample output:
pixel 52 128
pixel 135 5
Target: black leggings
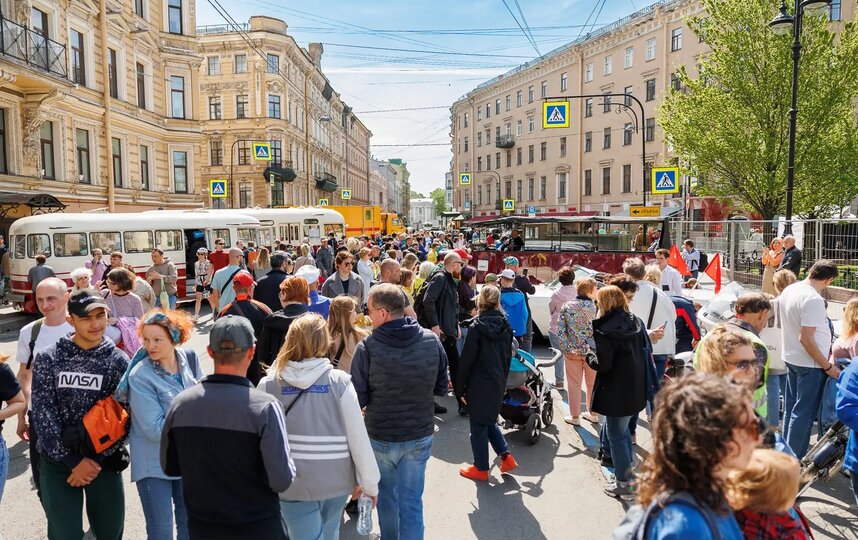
pixel 449 344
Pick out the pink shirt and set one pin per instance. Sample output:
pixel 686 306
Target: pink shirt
pixel 560 297
pixel 845 347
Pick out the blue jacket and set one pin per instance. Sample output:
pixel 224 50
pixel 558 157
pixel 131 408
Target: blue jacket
pixel 319 304
pixel 151 391
pixel 514 304
pixel 847 411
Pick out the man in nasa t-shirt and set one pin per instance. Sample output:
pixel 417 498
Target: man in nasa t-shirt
pixel 68 379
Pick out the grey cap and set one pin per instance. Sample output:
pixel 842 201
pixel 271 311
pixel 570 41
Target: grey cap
pixel 234 329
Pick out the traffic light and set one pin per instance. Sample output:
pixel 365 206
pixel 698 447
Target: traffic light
pixel 278 174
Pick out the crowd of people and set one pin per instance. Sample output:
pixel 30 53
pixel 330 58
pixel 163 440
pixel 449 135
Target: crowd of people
pixel 328 362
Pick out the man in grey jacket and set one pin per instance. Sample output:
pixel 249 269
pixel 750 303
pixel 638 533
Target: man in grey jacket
pixel 163 273
pixel 325 258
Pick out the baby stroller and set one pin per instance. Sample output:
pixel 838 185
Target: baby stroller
pixel 527 402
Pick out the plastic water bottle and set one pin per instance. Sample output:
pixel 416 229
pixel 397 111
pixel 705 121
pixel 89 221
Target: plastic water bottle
pixel 364 523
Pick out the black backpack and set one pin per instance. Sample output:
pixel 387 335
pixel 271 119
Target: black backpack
pixel 420 297
pixel 704 262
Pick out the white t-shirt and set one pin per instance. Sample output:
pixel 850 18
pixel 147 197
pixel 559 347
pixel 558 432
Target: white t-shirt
pixel 664 313
pixel 801 305
pixel 671 279
pixel 48 335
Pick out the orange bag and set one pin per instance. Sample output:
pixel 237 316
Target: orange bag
pixel 106 423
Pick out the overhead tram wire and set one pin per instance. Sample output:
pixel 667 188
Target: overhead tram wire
pixel 524 20
pixel 423 52
pixel 522 28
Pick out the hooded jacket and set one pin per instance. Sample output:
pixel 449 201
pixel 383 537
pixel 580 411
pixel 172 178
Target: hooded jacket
pixel 330 446
pixel 396 372
pixel 621 387
pixel 274 329
pixel 514 304
pixel 484 366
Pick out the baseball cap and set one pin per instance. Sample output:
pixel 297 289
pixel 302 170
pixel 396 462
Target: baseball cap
pixel 508 274
pixel 203 250
pixel 231 328
pixel 82 302
pixel 310 273
pixel 462 253
pixel 511 261
pixel 244 279
pixel 491 278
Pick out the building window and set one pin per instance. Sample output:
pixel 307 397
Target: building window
pixel 564 82
pixel 139 8
pixel 518 154
pixel 508 129
pixel 518 99
pixel 530 183
pixel 544 89
pixel 180 171
pixel 606 181
pixel 497 160
pixel 627 178
pixel 588 141
pixel 245 196
pixel 606 104
pixel 4 167
pixel 627 101
pixel 518 127
pixel 650 129
pixel 78 58
pixel 588 182
pixel 543 182
pixel 112 78
pixel 82 141
pixel 834 10
pixel 508 102
pixel 46 144
pixel 497 133
pixel 497 106
pixel 241 106
pixel 213 65
pixel 650 49
pixel 675 39
pixel 216 153
pixel 675 81
pixel 530 124
pixel 530 94
pixel 627 134
pixel 479 163
pixel 466 144
pixel 588 73
pixel 144 167
pixel 479 139
pixel 214 108
pixel 479 195
pixel 562 146
pixel 141 85
pixel 488 110
pixel 609 65
pixel 518 190
pixel 175 16
pixel 116 147
pixel 273 106
pixel 177 96
pixel 629 57
pixel 650 89
pixel 606 138
pixel 243 152
pixel 508 189
pixel 466 119
pixel 530 153
pixel 277 152
pixel 479 114
pixel 588 107
pixel 509 158
pixel 488 162
pixel 543 151
pixel 272 64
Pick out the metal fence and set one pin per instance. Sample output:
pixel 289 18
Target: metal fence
pixel 741 244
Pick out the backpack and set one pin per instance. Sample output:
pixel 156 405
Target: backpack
pixel 637 518
pixel 420 296
pixel 704 262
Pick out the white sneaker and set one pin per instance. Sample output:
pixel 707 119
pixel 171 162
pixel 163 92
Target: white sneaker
pixel 621 490
pixel 573 420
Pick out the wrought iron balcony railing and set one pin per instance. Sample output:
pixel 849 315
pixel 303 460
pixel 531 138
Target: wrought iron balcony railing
pixel 32 48
pixel 505 141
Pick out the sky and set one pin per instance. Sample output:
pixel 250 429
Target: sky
pixel 446 48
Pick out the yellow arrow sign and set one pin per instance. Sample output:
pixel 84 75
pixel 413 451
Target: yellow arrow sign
pixel 645 211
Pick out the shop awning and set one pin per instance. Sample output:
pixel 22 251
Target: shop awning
pixel 39 203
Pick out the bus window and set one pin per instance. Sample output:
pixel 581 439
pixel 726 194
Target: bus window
pixel 246 235
pixel 294 234
pixel 222 233
pixel 138 241
pixel 168 240
pixel 38 244
pixel 336 229
pixel 266 236
pixel 107 242
pixel 70 245
pixel 20 246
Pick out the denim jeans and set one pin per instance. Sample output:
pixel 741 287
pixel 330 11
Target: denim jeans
pixel 559 374
pixel 775 384
pixel 173 299
pixel 460 343
pixel 854 478
pixel 604 443
pixel 158 498
pixel 400 491
pixel 314 520
pixel 481 436
pixel 827 414
pixel 803 396
pixel 4 465
pixel 617 431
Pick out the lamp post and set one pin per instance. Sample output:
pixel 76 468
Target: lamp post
pixel 499 205
pixel 781 25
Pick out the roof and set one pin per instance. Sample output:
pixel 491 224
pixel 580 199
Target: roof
pixel 33 200
pixel 526 220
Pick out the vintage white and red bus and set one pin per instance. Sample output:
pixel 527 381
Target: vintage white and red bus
pixel 67 240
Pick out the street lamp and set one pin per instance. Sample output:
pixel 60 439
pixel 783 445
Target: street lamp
pixel 781 25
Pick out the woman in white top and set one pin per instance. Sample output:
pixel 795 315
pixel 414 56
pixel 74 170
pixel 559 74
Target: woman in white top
pixel 203 271
pixel 364 270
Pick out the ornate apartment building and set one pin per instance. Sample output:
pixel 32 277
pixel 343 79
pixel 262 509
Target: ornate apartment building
pixel 276 92
pixel 595 165
pixel 98 106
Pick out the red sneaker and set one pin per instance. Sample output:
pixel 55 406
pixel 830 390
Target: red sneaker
pixel 508 463
pixel 470 471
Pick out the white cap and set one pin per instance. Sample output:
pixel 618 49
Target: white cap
pixel 310 273
pixel 508 274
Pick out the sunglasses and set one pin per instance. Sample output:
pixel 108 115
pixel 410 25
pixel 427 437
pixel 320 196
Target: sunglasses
pixel 744 364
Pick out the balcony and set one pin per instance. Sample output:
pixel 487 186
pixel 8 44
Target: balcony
pixel 505 141
pixel 32 48
pixel 326 182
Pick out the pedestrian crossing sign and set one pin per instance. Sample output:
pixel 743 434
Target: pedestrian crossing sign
pixel 467 205
pixel 323 202
pixel 465 179
pixel 262 151
pixel 217 189
pixel 508 205
pixel 346 194
pixel 665 180
pixel 555 114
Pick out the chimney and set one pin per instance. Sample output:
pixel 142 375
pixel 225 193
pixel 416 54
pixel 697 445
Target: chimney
pixel 316 50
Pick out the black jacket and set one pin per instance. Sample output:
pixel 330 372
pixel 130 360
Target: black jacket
pixel 620 388
pixel 484 366
pixel 791 260
pixel 441 305
pixel 523 284
pixel 267 289
pixel 274 329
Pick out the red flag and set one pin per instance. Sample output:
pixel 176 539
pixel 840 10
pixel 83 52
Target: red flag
pixel 675 260
pixel 714 271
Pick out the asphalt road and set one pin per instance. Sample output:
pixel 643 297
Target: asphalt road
pixel 555 492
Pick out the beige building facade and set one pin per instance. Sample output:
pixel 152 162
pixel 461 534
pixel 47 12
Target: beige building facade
pixel 276 93
pixel 595 165
pixel 98 106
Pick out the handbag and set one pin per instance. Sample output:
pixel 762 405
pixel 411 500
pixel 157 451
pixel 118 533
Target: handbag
pixel 164 297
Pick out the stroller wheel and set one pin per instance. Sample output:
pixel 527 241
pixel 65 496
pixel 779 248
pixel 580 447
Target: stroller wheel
pixel 548 411
pixel 532 428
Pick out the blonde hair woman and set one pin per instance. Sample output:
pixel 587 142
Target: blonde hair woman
pixel 305 259
pixel 344 334
pixel 771 259
pixel 320 420
pixel 846 345
pixel 776 379
pixel 653 275
pixel 262 264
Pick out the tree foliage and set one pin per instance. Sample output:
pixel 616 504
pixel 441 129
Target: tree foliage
pixel 730 124
pixel 439 197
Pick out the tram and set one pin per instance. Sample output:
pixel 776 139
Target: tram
pixel 67 240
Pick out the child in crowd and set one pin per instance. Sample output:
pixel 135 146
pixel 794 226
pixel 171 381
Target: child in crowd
pixel 406 283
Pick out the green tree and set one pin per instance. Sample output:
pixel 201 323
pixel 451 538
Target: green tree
pixel 439 197
pixel 416 195
pixel 731 123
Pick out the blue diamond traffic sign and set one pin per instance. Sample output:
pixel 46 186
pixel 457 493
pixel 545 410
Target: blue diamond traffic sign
pixel 217 189
pixel 262 151
pixel 555 114
pixel 465 179
pixel 665 180
pixel 508 204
